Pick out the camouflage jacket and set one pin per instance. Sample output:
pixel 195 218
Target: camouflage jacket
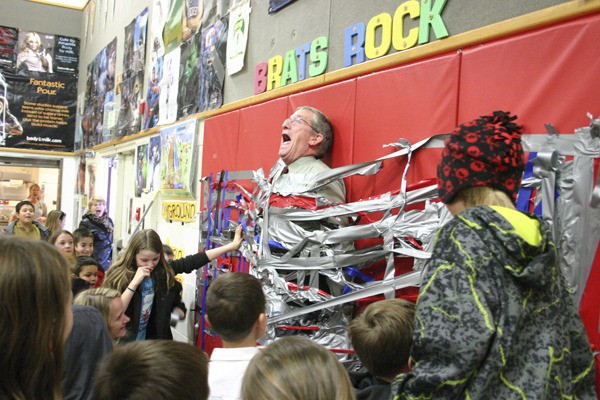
pixel 495 319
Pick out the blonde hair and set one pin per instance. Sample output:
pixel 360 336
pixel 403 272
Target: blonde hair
pixel 99 298
pixel 34 186
pixel 484 195
pixel 97 199
pixel 35 294
pixel 123 270
pixel 295 368
pixel 53 221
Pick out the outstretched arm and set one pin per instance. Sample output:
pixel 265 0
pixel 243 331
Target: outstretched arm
pixel 233 246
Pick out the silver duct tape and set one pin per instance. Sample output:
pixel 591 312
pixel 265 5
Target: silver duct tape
pixel 410 279
pixel 580 231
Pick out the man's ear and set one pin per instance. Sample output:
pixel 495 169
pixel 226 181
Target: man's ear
pixel 207 321
pixel 315 139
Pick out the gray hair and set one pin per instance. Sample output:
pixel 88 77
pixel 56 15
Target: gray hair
pixel 321 124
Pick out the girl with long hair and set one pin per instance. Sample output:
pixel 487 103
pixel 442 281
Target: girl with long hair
pixel 145 279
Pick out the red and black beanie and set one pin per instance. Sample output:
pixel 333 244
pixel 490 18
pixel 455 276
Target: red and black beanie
pixel 484 152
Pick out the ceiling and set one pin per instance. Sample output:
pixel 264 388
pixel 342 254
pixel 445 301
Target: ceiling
pixel 73 4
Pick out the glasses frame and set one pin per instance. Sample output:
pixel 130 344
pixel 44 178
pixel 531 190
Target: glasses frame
pixel 297 119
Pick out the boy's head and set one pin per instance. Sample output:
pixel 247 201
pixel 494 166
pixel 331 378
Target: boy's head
pixel 87 268
pixel 235 307
pixel 153 369
pixel 382 336
pixel 169 256
pixel 83 241
pixel 484 152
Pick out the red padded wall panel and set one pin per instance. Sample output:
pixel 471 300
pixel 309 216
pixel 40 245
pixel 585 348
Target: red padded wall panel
pixel 220 143
pixel 260 135
pixel 413 102
pixel 547 75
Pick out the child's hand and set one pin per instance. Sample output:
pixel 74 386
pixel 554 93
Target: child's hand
pixel 140 274
pixel 239 238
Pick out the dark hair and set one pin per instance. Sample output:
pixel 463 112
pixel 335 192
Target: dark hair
pixel 322 125
pixel 167 249
pixel 234 303
pixel 81 233
pixel 153 369
pixel 82 261
pixel 382 336
pixel 23 203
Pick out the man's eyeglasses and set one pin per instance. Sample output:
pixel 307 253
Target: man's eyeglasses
pixel 296 120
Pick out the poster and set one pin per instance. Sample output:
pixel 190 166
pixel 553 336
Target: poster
pixel 38 111
pixel 237 37
pixel 168 88
pixel 172 31
pixel 129 116
pixel 99 91
pixel 212 76
pixel 153 95
pixel 192 18
pixel 134 53
pixel 153 174
pixel 160 8
pixel 177 171
pixel 189 77
pixel 141 172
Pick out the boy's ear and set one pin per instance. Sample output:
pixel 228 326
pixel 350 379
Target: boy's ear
pixel 260 328
pixel 207 321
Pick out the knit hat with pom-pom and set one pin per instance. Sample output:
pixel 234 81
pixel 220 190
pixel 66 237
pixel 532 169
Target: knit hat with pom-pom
pixel 484 152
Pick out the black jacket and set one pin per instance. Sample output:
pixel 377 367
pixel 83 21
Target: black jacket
pixel 160 316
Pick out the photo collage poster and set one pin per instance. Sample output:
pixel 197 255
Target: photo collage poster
pixel 38 89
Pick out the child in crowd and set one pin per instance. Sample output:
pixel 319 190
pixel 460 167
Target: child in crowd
pixel 83 241
pixel 108 302
pixel 295 368
pixel 496 319
pixel 55 221
pixel 33 276
pixel 144 278
pixel 63 241
pixel 169 255
pixel 154 369
pixel 235 310
pixel 382 337
pixel 86 268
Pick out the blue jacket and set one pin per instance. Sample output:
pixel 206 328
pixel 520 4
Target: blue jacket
pixel 103 241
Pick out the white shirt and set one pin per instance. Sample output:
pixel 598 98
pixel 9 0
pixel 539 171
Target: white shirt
pixel 226 370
